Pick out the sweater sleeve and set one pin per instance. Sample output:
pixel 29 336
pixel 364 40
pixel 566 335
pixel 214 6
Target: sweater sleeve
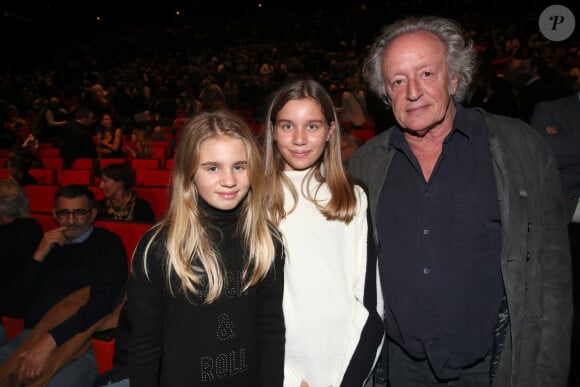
pixel 109 275
pixel 271 324
pixel 368 309
pixel 144 312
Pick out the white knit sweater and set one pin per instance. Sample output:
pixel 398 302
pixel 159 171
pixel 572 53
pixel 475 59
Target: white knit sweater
pixel 323 290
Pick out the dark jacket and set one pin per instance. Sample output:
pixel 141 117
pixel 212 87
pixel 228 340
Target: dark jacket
pixel 19 240
pixel 76 143
pixel 535 257
pixel 564 115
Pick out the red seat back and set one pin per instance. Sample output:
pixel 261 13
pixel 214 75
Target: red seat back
pixel 104 352
pixel 12 326
pixel 159 153
pixel 77 176
pixel 4 173
pixel 48 152
pixel 152 163
pixel 44 175
pixel 153 177
pixel 97 191
pixel 83 163
pixel 41 197
pixel 45 219
pixel 104 162
pixel 158 198
pixel 56 163
pixel 129 232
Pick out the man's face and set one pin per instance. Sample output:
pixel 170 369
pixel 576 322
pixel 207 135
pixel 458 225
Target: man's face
pixel 75 215
pixel 417 80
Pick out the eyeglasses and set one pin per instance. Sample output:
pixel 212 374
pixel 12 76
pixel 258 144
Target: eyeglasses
pixel 76 213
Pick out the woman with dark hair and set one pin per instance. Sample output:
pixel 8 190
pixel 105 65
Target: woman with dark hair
pixel 109 138
pixel 120 202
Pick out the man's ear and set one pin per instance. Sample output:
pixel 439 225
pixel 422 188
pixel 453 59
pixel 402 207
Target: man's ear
pixel 94 213
pixel 454 83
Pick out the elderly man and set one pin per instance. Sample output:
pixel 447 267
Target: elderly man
pixel 469 217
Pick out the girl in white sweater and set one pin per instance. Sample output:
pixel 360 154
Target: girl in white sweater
pixel 332 305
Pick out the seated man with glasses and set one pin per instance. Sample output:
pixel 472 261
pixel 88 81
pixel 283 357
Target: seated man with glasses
pixel 72 260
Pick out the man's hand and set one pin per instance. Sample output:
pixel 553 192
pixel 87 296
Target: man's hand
pixel 34 359
pixel 55 236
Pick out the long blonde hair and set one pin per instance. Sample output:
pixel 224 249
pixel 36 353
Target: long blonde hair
pixel 188 245
pixel 328 169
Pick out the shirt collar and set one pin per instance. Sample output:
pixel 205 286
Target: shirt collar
pixel 464 122
pixel 83 237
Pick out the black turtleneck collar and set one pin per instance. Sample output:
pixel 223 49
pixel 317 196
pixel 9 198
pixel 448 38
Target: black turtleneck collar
pixel 220 216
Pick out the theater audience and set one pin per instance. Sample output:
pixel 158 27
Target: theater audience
pixel 120 202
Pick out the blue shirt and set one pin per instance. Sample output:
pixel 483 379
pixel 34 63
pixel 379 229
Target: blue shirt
pixel 441 243
pixel 83 237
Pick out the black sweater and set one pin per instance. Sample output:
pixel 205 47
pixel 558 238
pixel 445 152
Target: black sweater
pixel 99 262
pixel 238 340
pixel 19 239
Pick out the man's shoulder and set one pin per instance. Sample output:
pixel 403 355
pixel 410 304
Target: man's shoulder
pixel 505 125
pixel 564 105
pixel 102 234
pixel 373 144
pixel 512 135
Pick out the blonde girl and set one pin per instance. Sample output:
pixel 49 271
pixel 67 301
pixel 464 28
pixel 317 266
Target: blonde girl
pixel 204 301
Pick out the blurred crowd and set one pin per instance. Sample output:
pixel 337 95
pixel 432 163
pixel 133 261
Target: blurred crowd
pixel 178 68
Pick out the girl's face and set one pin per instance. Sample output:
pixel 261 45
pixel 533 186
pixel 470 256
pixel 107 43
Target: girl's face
pixel 301 133
pixel 222 176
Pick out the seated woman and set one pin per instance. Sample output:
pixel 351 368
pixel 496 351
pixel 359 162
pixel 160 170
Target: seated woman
pixel 19 237
pixel 20 161
pixel 120 202
pixel 141 144
pixel 109 138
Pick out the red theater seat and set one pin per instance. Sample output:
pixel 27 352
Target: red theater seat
pixel 77 176
pixel 44 175
pixel 41 197
pixel 129 232
pixel 158 198
pixel 153 163
pixel 153 177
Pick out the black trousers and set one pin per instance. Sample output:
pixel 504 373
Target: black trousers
pixel 405 371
